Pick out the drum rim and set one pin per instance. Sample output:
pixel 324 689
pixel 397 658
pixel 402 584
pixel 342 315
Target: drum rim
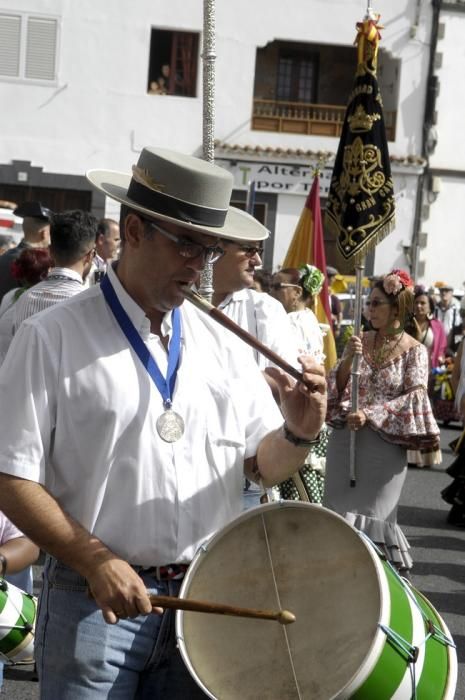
pixel 452 678
pixel 372 657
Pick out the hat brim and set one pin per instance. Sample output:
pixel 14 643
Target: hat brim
pixel 238 225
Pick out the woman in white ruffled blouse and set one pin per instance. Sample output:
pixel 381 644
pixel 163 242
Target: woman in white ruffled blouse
pixel 296 289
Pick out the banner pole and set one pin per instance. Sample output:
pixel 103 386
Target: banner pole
pixel 355 372
pixel 209 58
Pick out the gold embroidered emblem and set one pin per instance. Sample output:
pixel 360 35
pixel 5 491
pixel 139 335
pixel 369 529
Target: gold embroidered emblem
pixel 360 121
pixel 361 169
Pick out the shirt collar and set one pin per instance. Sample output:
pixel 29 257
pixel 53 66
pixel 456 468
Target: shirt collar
pixel 99 262
pixel 241 295
pixel 65 272
pixel 136 314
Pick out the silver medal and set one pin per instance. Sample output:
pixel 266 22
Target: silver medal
pixel 170 426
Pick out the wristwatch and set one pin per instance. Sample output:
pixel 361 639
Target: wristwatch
pixel 4 564
pixel 297 441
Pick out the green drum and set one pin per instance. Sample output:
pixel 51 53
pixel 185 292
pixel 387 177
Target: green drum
pixel 361 632
pixel 413 656
pixel 17 623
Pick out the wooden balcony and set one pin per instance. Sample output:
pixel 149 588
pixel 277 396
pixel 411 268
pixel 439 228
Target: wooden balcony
pixel 305 118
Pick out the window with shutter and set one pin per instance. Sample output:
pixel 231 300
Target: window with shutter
pixel 41 48
pixel 10 34
pixel 28 47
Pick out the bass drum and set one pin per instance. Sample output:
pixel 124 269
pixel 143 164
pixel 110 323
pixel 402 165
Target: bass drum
pixel 17 624
pixel 360 631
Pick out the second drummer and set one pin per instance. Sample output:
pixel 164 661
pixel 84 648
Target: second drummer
pixel 127 435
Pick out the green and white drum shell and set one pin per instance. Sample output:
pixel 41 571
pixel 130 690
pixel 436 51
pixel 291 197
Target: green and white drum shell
pixel 17 623
pixel 385 672
pixel 304 558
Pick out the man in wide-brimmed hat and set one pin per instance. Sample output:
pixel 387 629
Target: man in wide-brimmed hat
pixel 36 227
pixel 128 424
pixel 447 309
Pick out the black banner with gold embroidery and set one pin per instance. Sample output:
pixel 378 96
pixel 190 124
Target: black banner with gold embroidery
pixel 360 211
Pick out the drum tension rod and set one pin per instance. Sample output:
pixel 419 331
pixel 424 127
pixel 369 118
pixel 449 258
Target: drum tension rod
pixel 436 633
pixel 400 644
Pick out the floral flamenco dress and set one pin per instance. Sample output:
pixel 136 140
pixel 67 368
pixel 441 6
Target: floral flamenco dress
pixel 399 417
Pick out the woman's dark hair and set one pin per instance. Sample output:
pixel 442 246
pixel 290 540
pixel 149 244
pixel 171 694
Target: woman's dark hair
pixel 412 327
pixel 31 266
pixel 421 291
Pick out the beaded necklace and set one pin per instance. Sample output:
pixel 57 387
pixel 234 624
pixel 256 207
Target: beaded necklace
pixel 381 355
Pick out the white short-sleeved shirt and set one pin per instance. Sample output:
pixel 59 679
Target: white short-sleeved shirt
pixel 265 318
pixel 81 420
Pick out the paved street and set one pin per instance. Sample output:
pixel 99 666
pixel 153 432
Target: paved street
pixel 438 551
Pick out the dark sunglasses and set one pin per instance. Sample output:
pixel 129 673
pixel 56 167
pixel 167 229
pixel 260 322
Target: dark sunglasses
pixel 375 303
pixel 249 250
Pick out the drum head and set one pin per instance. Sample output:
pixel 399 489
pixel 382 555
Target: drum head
pixel 321 570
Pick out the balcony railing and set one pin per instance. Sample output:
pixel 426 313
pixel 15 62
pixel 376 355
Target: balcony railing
pixel 305 118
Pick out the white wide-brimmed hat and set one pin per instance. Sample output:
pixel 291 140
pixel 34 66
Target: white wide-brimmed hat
pixel 182 189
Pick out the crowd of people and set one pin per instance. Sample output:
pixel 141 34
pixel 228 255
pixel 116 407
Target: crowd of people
pixel 133 418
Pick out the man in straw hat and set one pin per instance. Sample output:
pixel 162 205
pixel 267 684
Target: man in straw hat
pixel 127 429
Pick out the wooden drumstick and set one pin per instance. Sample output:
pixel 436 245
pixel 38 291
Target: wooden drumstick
pixel 247 337
pixel 284 617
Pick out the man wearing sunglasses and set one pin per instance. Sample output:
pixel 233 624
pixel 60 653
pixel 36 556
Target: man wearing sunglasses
pixel 256 312
pixel 128 424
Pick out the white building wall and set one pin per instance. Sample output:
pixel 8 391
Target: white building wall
pixel 450 149
pixel 445 227
pixel 98 114
pixel 289 210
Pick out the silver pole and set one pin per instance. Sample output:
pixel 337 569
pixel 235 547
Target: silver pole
pixel 355 372
pixel 209 57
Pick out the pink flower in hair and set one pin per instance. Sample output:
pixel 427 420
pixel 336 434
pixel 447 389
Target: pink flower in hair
pixel 392 284
pixel 404 277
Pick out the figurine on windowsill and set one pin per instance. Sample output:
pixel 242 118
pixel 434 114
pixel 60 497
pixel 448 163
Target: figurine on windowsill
pixel 160 85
